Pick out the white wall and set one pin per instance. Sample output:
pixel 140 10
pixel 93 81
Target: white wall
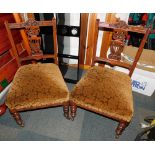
pixel 123 16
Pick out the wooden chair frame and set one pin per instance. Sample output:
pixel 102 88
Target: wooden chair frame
pixel 113 62
pixel 33 57
pixel 31 23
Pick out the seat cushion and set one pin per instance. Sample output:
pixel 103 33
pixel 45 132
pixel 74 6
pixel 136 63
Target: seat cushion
pixel 37 85
pixel 106 92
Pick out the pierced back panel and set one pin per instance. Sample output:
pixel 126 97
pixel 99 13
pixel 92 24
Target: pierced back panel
pixel 117 44
pixel 32 29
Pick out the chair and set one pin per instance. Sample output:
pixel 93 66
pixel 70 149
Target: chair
pixel 37 85
pixel 104 90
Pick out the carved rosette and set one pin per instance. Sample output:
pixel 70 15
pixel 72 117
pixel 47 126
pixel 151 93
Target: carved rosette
pixel 117 44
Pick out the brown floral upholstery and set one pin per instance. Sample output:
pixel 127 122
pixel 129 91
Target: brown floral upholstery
pixel 105 91
pixel 37 85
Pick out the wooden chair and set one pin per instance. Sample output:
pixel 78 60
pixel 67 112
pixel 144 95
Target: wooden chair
pixel 106 91
pixel 37 85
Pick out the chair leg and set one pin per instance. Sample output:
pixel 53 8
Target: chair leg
pixel 121 127
pixel 73 109
pixel 17 117
pixel 66 111
pixel 3 108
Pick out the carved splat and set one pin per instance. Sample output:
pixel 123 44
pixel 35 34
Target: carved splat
pixel 32 30
pixel 117 44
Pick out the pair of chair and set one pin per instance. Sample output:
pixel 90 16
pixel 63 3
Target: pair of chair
pixel 101 90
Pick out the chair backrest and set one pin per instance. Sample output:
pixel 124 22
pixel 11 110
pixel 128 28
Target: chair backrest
pixel 119 35
pixel 32 29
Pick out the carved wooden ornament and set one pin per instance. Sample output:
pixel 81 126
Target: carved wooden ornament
pixel 117 44
pixel 33 30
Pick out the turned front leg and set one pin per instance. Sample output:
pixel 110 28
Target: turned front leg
pixel 66 110
pixel 73 109
pixel 121 127
pixel 17 117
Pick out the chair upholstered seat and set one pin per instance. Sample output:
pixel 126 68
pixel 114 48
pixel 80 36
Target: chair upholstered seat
pixel 36 86
pixel 105 91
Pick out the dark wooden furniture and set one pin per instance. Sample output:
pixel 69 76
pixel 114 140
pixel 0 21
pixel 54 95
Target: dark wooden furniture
pixel 37 85
pixel 32 29
pixel 106 91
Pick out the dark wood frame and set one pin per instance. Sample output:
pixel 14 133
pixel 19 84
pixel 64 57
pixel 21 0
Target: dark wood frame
pixel 102 26
pixel 21 26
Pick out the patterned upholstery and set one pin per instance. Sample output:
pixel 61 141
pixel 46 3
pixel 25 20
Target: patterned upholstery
pixel 105 91
pixel 37 85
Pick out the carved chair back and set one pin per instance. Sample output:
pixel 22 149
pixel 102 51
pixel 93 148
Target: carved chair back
pixel 118 41
pixel 32 30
